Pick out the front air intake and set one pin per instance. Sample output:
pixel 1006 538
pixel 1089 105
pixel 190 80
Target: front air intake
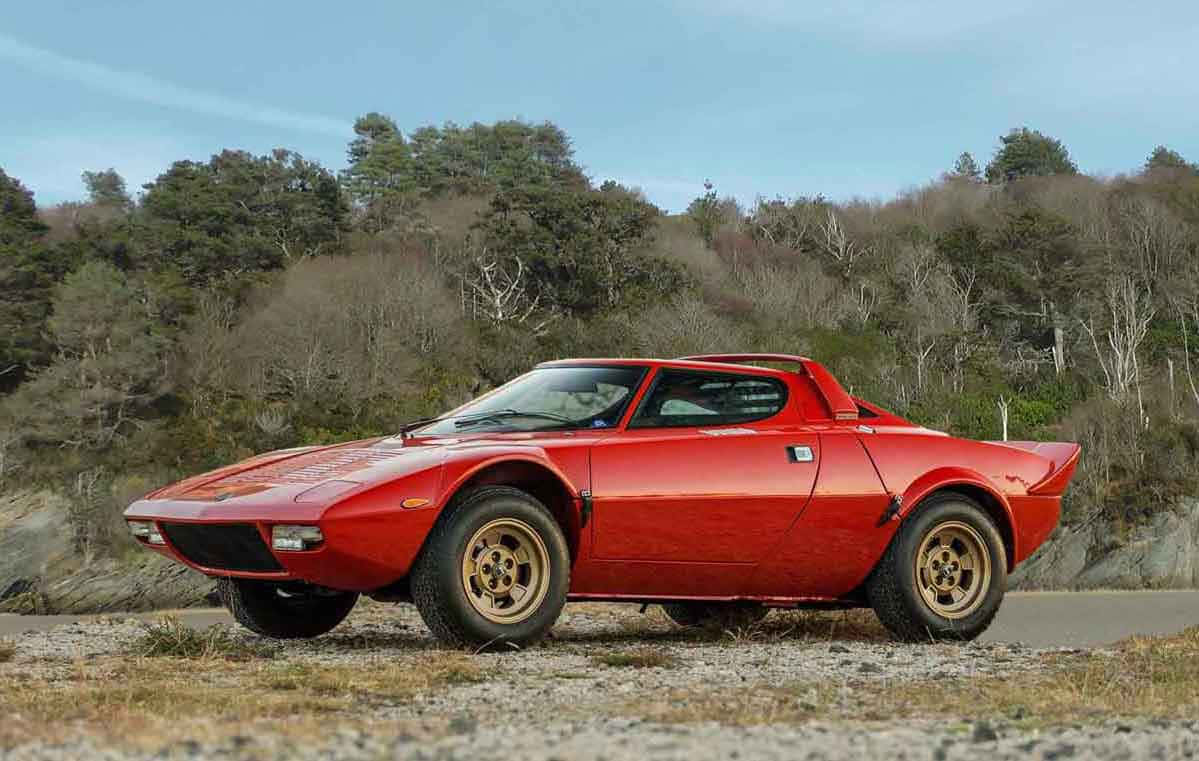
pixel 223 547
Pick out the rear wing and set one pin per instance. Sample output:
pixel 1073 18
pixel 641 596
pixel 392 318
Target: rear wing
pixel 840 404
pixel 1062 457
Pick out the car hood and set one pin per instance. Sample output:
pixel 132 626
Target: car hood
pixel 301 467
pixel 368 461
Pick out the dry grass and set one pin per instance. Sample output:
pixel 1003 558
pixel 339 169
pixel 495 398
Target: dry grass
pixel 1144 677
pixel 639 659
pixel 859 625
pixel 7 651
pixel 124 698
pixel 169 637
pixel 1149 677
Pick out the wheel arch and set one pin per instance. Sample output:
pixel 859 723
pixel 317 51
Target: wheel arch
pixel 538 478
pixel 971 485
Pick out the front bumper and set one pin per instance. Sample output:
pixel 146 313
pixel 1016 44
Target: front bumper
pixel 365 547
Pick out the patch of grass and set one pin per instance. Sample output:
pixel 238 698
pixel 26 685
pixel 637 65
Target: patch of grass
pixel 1143 677
pixel 639 659
pixel 1146 677
pixel 7 651
pixel 117 697
pixel 169 637
pixel 858 625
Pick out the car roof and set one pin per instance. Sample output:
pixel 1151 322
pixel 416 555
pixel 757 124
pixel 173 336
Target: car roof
pixel 692 364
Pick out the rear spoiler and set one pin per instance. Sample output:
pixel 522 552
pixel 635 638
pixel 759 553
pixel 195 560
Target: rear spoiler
pixel 1062 457
pixel 840 404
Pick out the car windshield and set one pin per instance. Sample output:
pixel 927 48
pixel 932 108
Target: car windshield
pixel 548 398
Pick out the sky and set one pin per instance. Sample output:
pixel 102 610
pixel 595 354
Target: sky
pixel 851 99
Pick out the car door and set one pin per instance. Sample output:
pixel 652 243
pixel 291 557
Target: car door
pixel 713 468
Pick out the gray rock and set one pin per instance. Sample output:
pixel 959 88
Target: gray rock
pixel 1163 554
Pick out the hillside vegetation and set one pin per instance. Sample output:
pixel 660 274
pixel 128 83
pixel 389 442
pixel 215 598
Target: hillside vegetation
pixel 249 303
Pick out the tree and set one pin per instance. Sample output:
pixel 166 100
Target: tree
pixel 28 269
pixel 1164 158
pixel 389 174
pixel 106 188
pixel 111 362
pixel 966 168
pixel 1029 153
pixel 379 177
pixel 579 251
pixel 706 213
pixel 239 214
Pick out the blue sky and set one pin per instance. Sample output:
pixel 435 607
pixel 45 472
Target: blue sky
pixel 768 97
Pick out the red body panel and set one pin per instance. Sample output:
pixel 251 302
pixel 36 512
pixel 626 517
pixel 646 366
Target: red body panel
pixel 728 511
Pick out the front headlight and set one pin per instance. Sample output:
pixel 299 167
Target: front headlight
pixel 296 538
pixel 146 531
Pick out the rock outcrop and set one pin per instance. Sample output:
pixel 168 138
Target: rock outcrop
pixel 42 571
pixel 1162 554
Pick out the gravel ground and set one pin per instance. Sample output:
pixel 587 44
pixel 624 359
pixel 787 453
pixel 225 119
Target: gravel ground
pixel 561 701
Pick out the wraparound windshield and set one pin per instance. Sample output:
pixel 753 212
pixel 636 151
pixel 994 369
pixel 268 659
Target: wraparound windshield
pixel 548 398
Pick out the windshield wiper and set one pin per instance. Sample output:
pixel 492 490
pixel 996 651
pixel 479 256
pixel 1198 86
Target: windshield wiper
pixel 467 419
pixel 485 417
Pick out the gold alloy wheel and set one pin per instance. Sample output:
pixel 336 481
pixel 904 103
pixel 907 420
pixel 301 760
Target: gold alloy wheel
pixel 506 571
pixel 953 569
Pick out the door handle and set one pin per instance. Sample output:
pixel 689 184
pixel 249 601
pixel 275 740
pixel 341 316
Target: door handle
pixel 800 453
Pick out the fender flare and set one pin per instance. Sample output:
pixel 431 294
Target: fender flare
pixel 449 490
pixel 946 479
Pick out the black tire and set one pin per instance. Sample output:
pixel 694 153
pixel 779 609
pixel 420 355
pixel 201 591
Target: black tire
pixel 892 586
pixel 718 616
pixel 284 612
pixel 437 577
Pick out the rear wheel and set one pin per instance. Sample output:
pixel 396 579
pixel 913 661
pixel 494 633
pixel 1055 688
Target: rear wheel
pixel 944 574
pixel 285 611
pixel 721 616
pixel 495 570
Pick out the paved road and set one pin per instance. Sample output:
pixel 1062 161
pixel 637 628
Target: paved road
pixel 1039 619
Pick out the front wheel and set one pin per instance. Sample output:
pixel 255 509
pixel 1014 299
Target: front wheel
pixel 285 611
pixel 494 571
pixel 944 574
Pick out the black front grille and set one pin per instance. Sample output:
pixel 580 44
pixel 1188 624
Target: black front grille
pixel 228 547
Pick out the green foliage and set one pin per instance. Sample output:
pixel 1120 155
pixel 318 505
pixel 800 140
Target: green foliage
pixel 705 212
pixel 966 168
pixel 579 250
pixel 111 362
pixel 1028 153
pixel 1164 158
pixel 28 271
pixel 239 213
pixel 106 188
pixel 389 174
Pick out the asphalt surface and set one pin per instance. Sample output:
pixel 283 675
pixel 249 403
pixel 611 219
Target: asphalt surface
pixel 1038 619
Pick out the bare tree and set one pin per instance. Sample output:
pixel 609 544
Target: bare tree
pixel 1156 239
pixel 1004 403
pixel 838 245
pixel 1130 313
pixel 497 292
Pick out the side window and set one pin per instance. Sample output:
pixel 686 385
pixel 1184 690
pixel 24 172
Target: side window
pixel 686 398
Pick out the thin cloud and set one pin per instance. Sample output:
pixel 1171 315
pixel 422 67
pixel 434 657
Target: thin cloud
pixel 135 86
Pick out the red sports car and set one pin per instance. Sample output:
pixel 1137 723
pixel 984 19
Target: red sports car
pixel 712 485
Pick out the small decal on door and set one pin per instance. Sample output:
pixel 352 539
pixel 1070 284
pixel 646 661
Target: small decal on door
pixel 728 431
